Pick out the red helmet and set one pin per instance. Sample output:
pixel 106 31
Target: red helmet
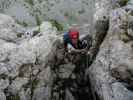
pixel 74 34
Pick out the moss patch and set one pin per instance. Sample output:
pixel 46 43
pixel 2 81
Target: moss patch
pixel 30 2
pixel 124 37
pixel 57 25
pixel 38 20
pixel 24 24
pixel 123 2
pixel 81 11
pixel 19 35
pixel 35 83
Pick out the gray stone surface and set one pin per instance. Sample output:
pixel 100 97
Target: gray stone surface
pixel 36 67
pixel 66 70
pixel 23 70
pixel 111 72
pixel 29 11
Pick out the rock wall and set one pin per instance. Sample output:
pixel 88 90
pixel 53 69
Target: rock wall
pixel 36 66
pixel 111 73
pixel 23 71
pixel 32 12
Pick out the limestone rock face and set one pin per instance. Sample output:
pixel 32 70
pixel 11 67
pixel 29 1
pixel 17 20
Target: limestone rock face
pixel 36 66
pixel 32 12
pixel 111 72
pixel 6 26
pixel 23 67
pixel 103 7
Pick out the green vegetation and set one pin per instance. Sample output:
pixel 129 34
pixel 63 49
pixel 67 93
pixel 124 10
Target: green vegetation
pixel 123 2
pixel 30 2
pixel 34 83
pixel 19 35
pixel 13 97
pixel 24 24
pixel 124 37
pixel 31 84
pixel 81 11
pixel 40 1
pixel 57 25
pixel 38 21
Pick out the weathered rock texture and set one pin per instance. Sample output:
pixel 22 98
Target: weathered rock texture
pixel 32 12
pixel 23 71
pixel 36 66
pixel 111 73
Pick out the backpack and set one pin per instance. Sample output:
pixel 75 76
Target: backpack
pixel 66 37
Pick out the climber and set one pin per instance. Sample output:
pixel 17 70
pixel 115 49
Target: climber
pixel 72 43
